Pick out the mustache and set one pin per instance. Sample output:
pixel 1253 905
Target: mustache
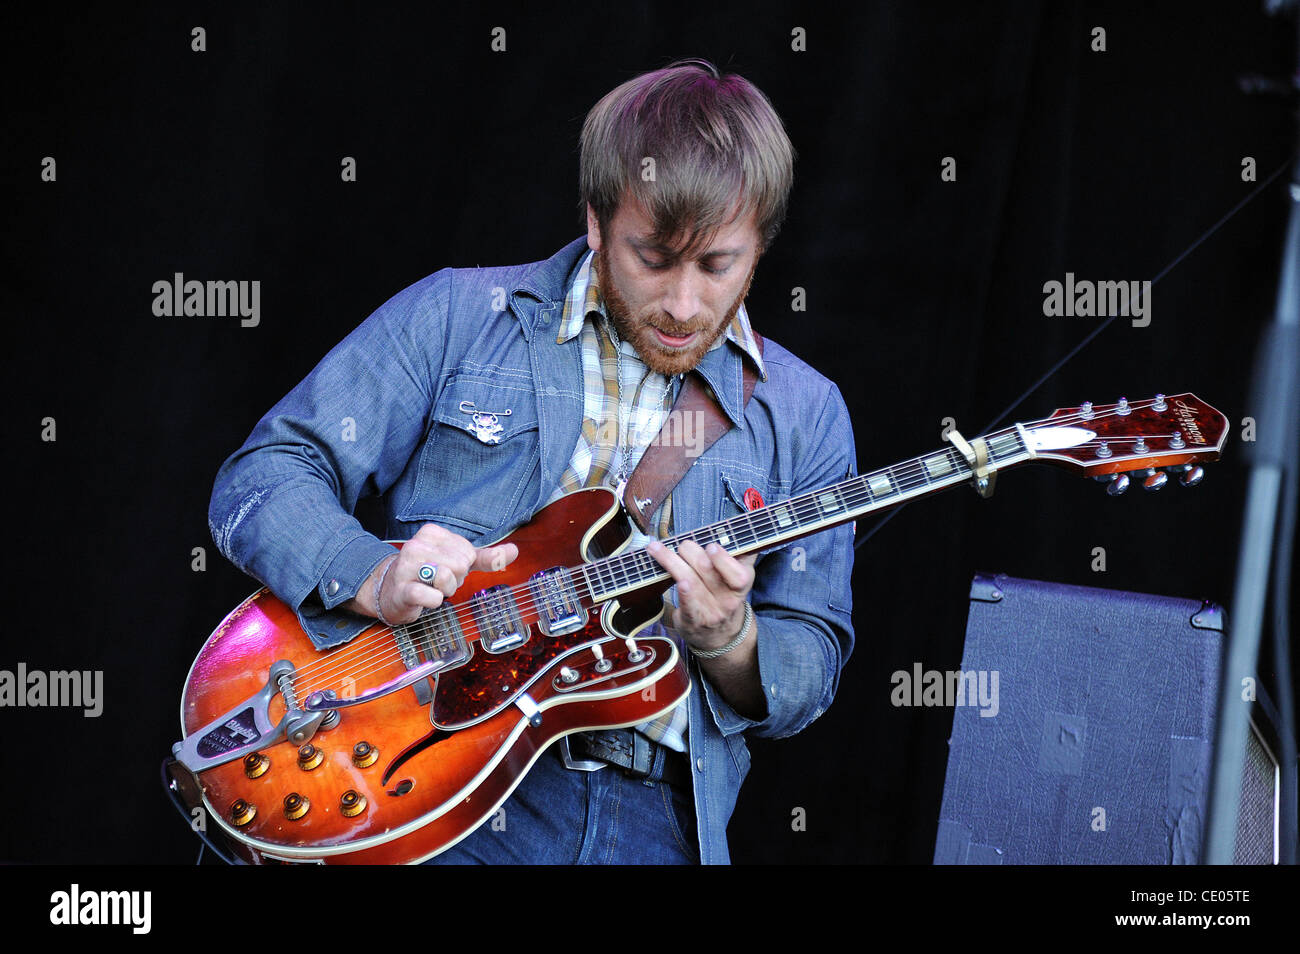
pixel 675 329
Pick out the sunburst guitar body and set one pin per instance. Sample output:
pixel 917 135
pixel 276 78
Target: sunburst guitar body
pixel 401 774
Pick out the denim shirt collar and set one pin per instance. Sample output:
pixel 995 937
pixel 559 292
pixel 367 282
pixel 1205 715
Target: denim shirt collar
pixel 545 283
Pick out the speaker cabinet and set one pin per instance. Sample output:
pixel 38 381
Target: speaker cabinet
pixel 1091 742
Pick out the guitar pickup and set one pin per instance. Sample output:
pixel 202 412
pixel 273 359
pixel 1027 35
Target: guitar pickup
pixel 500 626
pixel 558 610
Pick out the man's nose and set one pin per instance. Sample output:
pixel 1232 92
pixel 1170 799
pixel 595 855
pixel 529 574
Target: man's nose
pixel 681 298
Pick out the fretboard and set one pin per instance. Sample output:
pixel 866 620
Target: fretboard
pixel 807 513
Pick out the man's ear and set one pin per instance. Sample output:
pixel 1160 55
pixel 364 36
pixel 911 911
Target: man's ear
pixel 593 229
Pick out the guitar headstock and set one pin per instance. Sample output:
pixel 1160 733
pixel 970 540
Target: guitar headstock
pixel 1148 438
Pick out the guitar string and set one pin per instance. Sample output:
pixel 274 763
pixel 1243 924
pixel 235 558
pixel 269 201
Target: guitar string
pixel 642 561
pixel 903 475
pixel 359 668
pixel 632 566
pixel 422 628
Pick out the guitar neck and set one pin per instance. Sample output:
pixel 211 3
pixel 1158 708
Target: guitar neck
pixel 810 512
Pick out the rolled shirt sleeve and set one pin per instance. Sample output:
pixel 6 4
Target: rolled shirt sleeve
pixel 281 507
pixel 803 600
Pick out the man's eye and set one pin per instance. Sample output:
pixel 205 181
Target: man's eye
pixel 655 265
pixel 715 271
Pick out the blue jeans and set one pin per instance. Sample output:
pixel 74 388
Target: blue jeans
pixel 559 815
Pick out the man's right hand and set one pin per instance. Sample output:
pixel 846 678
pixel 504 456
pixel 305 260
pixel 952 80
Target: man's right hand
pixel 403 594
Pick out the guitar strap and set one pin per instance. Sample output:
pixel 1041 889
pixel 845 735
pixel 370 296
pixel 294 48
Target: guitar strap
pixel 665 462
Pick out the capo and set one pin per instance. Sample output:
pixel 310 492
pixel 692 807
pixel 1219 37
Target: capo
pixel 977 456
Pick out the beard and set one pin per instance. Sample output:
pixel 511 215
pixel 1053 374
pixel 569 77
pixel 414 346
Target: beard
pixel 639 328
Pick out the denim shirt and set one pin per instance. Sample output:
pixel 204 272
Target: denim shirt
pixel 380 415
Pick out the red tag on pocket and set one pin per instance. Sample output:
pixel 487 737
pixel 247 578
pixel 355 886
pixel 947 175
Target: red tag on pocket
pixel 753 499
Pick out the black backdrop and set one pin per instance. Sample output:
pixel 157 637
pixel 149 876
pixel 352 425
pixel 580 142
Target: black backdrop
pixel 924 300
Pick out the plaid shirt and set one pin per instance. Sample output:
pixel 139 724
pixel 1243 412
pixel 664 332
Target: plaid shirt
pixel 610 430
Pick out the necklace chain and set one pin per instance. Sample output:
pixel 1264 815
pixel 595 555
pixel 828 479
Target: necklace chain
pixel 624 449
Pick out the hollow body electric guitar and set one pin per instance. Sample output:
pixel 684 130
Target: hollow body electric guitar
pixel 397 744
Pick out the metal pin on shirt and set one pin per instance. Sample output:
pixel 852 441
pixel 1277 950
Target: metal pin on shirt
pixel 485 425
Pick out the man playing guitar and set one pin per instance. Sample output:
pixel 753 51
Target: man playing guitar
pixel 477 396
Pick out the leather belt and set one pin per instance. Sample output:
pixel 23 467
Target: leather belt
pixel 633 754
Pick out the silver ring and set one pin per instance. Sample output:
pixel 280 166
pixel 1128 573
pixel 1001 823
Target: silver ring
pixel 427 572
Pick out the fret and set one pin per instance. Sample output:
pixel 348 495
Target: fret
pixel 939 465
pixel 828 501
pixel 586 579
pixel 1004 445
pixel 648 566
pixel 783 520
pixel 626 570
pixel 765 519
pixel 880 483
pixel 902 479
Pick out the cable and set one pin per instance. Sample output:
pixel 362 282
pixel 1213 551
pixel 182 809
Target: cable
pixel 1100 328
pixel 184 813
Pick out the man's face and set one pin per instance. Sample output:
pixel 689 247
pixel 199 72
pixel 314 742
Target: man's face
pixel 671 306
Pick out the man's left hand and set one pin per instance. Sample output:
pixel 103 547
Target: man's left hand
pixel 712 586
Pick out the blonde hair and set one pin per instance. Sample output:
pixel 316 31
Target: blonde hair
pixel 719 152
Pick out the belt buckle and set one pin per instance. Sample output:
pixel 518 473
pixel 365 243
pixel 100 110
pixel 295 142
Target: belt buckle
pixel 578 765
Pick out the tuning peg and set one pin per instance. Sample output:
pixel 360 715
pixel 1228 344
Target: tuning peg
pixel 1160 404
pixel 1154 479
pixel 1191 475
pixel 1118 484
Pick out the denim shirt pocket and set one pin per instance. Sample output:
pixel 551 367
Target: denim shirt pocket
pixel 478 455
pixel 734 485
